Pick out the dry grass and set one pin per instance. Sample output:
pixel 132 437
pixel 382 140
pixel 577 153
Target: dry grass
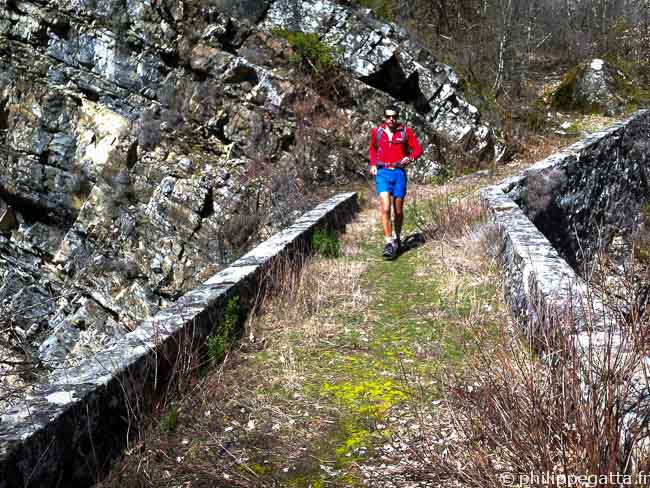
pixel 468 267
pixel 306 300
pixel 446 216
pixel 253 406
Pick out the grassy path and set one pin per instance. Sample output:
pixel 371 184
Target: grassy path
pixel 354 373
pixel 333 373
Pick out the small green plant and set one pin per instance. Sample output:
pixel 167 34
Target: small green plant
pixel 364 201
pixel 383 9
pixel 326 243
pixel 310 51
pixel 218 343
pixel 169 421
pixel 573 129
pixel 442 176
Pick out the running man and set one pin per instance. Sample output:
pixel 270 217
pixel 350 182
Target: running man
pixel 393 147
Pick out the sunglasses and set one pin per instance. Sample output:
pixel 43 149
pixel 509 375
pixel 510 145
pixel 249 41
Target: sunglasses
pixel 394 116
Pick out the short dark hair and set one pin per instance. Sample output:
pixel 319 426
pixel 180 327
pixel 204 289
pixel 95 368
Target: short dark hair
pixel 393 108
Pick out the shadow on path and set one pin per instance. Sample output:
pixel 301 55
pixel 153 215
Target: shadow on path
pixel 410 242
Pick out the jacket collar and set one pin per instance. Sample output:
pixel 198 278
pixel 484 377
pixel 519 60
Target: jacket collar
pixel 398 127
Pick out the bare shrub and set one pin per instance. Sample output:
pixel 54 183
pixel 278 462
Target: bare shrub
pixel 266 197
pixel 565 404
pixel 457 158
pixel 445 215
pixel 619 275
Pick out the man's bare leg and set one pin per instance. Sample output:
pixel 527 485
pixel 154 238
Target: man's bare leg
pixel 398 205
pixel 385 203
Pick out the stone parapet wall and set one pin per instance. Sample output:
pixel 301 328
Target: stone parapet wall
pixel 545 294
pixel 65 432
pixel 583 196
pixel 537 277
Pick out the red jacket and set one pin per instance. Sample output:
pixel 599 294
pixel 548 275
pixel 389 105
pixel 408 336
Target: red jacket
pixel 391 152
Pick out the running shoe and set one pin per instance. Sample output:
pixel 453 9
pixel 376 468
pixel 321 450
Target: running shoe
pixel 389 251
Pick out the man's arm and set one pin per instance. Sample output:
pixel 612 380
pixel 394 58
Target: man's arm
pixel 372 152
pixel 414 144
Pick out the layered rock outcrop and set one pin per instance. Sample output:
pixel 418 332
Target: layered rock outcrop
pixel 145 143
pixel 383 57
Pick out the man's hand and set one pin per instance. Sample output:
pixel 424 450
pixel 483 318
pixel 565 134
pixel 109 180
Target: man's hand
pixel 373 170
pixel 405 162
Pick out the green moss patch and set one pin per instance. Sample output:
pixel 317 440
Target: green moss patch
pixel 384 9
pixel 367 398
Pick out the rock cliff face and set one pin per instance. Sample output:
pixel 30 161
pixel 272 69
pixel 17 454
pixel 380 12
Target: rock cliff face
pixel 143 143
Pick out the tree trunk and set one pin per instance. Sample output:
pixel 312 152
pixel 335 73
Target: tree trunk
pixel 506 31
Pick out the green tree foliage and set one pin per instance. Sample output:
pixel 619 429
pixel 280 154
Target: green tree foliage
pixel 309 51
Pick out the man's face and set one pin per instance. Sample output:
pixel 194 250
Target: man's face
pixel 390 118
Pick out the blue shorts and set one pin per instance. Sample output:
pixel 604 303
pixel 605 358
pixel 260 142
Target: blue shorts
pixel 392 181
